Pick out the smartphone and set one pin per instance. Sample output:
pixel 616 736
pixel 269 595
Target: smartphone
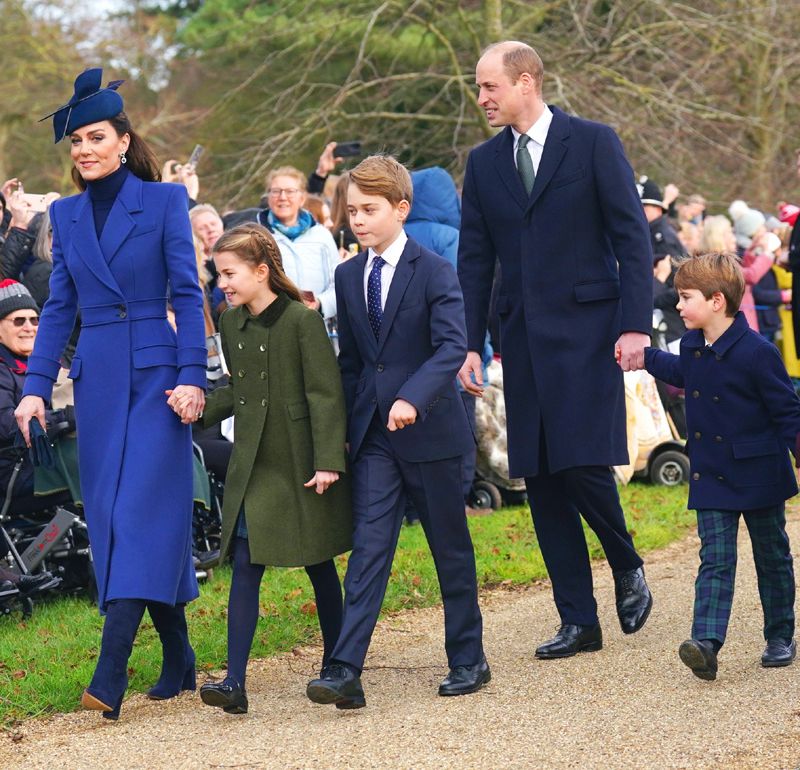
pixel 194 158
pixel 347 149
pixel 34 202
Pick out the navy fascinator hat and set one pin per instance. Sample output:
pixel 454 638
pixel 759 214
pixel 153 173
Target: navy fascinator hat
pixel 89 104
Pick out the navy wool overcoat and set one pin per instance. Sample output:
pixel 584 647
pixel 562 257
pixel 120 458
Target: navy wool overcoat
pixel 134 453
pixel 576 266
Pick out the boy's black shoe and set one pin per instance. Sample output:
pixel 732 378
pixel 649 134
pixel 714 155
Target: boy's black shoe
pixel 634 600
pixel 463 680
pixel 779 652
pixel 700 656
pixel 339 685
pixel 570 640
pixel 227 695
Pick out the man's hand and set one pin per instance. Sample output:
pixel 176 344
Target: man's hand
pixel 327 162
pixel 472 367
pixel 629 351
pixel 401 414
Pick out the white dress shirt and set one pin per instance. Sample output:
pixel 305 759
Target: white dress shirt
pixel 538 134
pixel 391 257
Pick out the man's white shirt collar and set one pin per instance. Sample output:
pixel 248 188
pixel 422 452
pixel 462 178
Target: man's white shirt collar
pixel 393 252
pixel 538 131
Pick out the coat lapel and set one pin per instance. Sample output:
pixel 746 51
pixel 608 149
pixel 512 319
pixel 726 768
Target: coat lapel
pixel 555 147
pixel 507 169
pixel 120 222
pixel 402 275
pixel 83 239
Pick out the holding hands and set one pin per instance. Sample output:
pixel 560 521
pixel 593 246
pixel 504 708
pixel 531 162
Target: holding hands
pixel 187 401
pixel 629 350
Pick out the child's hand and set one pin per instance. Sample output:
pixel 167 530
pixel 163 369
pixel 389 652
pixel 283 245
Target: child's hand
pixel 322 480
pixel 401 414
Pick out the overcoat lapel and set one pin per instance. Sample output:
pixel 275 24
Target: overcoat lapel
pixel 120 222
pixel 505 166
pixel 83 240
pixel 555 147
pixel 402 275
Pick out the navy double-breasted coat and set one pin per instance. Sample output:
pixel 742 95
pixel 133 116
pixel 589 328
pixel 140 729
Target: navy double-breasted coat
pixel 135 455
pixel 742 413
pixel 576 264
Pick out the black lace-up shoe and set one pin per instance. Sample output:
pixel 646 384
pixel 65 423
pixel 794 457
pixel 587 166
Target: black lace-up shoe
pixel 570 640
pixel 340 685
pixel 634 600
pixel 463 680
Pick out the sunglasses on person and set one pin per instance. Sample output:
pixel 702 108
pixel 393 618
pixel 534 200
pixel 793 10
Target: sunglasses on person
pixel 20 321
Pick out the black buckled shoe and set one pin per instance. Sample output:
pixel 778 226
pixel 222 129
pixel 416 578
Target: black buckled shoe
pixel 227 695
pixel 339 685
pixel 463 680
pixel 701 657
pixel 634 600
pixel 570 640
pixel 778 653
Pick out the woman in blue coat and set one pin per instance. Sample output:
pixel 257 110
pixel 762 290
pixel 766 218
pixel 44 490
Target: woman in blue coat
pixel 119 248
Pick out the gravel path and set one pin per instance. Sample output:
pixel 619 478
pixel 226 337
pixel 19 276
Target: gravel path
pixel 631 705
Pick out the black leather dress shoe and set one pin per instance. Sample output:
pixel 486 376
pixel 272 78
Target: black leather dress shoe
pixel 570 640
pixel 463 680
pixel 634 600
pixel 339 685
pixel 227 695
pixel 779 652
pixel 42 581
pixel 701 657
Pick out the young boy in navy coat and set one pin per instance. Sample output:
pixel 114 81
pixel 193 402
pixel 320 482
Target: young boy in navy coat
pixel 743 417
pixel 402 341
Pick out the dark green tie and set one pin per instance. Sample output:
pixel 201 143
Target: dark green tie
pixel 525 164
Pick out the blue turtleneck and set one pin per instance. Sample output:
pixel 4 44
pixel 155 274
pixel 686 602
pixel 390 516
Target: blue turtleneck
pixel 103 192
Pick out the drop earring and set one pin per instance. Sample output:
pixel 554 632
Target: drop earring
pixel 122 159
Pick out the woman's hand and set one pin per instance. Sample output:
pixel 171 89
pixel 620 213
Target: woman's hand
pixel 187 401
pixel 29 407
pixel 322 480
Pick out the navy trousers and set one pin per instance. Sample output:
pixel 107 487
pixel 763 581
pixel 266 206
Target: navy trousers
pixel 381 482
pixel 558 500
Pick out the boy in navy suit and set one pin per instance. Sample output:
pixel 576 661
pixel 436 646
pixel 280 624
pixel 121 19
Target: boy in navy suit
pixel 402 341
pixel 743 416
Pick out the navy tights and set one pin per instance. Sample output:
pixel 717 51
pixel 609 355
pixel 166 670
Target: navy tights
pixel 243 606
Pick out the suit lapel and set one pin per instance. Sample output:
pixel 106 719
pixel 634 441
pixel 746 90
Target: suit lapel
pixel 83 239
pixel 504 163
pixel 120 222
pixel 402 275
pixel 555 147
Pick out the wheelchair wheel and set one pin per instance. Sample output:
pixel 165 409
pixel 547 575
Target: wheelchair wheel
pixel 670 468
pixel 486 495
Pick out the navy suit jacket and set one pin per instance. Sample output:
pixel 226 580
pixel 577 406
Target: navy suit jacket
pixel 742 414
pixel 576 263
pixel 421 347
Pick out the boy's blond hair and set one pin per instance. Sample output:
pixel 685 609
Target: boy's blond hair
pixel 383 175
pixel 711 272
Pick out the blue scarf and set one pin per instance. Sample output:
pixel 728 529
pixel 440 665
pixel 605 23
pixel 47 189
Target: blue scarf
pixel 304 223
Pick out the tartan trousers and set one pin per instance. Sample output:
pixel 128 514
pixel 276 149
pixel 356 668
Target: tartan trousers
pixel 713 596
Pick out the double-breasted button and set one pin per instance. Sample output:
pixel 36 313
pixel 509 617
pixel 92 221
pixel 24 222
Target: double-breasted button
pixel 695 394
pixel 697 354
pixel 379 367
pixel 262 347
pixel 719 358
pixel 240 346
pixel 720 478
pixel 715 399
pixel 242 400
pixel 241 372
pixel 263 375
pixel 718 438
pixel 122 311
pixel 697 434
pixel 696 476
pixel 263 402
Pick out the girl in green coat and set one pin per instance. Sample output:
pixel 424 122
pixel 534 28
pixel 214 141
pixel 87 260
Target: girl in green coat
pixel 284 503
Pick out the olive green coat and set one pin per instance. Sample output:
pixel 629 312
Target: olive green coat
pixel 286 395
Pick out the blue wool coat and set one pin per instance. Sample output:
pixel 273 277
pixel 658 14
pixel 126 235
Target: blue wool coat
pixel 134 453
pixel 576 264
pixel 742 414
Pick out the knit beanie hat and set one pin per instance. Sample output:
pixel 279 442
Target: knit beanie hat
pixel 746 225
pixel 14 296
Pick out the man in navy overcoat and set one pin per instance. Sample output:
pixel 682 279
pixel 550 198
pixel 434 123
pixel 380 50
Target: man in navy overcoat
pixel 553 198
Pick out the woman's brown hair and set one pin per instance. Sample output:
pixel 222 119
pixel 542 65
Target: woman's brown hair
pixel 339 215
pixel 254 244
pixel 141 160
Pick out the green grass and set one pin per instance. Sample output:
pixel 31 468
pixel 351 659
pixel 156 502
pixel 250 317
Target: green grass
pixel 47 660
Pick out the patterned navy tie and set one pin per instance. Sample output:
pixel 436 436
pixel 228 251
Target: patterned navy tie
pixel 374 309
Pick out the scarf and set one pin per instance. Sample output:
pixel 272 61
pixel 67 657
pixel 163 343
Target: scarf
pixel 304 223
